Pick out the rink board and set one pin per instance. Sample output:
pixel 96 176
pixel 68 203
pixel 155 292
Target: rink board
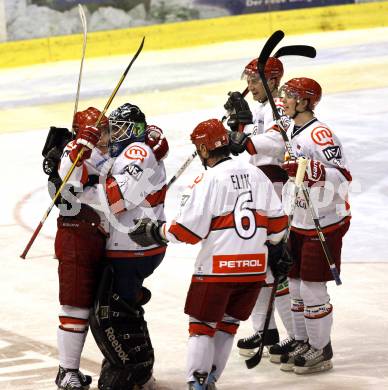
pixel 198 32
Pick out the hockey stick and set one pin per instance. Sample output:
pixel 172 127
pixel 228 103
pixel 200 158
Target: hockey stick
pixel 182 168
pixel 261 65
pixel 296 50
pixel 81 152
pixel 291 50
pixel 85 32
pixel 271 43
pixel 194 154
pixel 256 358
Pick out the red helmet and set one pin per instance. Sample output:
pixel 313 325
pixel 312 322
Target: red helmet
pixel 273 69
pixel 89 118
pixel 210 133
pixel 304 88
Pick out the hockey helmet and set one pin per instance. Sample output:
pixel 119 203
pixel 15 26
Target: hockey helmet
pixel 210 133
pixel 273 70
pixel 89 117
pixel 303 88
pixel 127 124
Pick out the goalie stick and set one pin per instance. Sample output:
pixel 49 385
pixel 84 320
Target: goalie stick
pixel 81 152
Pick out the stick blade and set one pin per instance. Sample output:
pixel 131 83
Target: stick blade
pixel 269 46
pixel 253 361
pixel 296 50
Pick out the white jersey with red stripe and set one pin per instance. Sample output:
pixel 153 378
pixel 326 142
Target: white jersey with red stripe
pixel 233 210
pixel 135 189
pixel 267 142
pixel 316 141
pixel 97 164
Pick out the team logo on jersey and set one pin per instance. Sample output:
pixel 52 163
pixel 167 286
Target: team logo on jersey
pixel 134 170
pixel 136 152
pixel 322 136
pixel 332 152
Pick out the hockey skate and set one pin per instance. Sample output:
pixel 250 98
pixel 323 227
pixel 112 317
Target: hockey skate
pixel 211 380
pixel 281 348
pixel 288 359
pixel 200 381
pixel 249 345
pixel 72 379
pixel 314 360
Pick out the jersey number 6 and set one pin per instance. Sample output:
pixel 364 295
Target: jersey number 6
pixel 244 217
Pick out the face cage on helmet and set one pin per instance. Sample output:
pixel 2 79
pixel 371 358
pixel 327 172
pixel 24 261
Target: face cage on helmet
pixel 250 75
pixel 123 130
pixel 289 93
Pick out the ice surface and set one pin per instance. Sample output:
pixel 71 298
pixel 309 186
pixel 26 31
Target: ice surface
pixel 178 90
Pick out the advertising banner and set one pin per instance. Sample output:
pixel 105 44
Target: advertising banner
pixel 237 7
pixel 26 19
pixel 91 5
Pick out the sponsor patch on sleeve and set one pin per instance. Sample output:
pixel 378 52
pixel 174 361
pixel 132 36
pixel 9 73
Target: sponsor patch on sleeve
pixel 332 152
pixel 134 170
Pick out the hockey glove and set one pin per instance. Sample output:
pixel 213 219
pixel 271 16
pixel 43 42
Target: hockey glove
pixel 237 142
pixel 57 137
pixel 240 113
pixel 147 233
pixel 156 140
pixel 279 260
pixel 315 171
pixel 51 161
pixel 241 119
pixel 87 137
pixel 236 103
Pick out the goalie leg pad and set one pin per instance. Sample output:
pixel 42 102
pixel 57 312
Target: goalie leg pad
pixel 122 335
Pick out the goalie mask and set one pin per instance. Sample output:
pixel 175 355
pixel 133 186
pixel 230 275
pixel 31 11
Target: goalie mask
pixel 127 124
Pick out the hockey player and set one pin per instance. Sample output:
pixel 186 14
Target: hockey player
pixel 79 245
pixel 134 188
pixel 233 210
pixel 82 229
pixel 327 177
pixel 263 141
